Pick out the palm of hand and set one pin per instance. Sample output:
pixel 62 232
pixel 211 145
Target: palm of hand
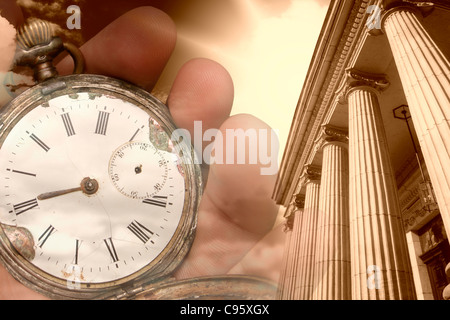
pixel 236 209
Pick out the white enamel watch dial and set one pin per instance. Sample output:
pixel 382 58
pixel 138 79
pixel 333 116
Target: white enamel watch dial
pixel 94 192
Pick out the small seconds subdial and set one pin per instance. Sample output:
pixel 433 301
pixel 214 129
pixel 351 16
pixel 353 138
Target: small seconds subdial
pixel 133 171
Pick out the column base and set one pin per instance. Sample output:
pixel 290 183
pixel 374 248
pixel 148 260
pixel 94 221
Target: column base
pixel 446 293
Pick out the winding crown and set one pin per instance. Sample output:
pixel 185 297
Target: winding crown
pixel 36 32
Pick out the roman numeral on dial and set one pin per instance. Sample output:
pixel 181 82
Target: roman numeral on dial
pixel 159 201
pixel 77 247
pixel 47 233
pixel 140 231
pixel 24 206
pixel 68 124
pixel 112 250
pixel 39 142
pixel 22 172
pixel 102 122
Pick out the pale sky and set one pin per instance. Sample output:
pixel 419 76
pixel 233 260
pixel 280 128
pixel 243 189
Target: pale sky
pixel 269 62
pixel 274 64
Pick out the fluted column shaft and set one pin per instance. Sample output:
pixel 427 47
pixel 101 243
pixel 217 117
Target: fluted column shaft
pixel 332 279
pixel 306 254
pixel 288 278
pixel 425 75
pixel 283 282
pixel 378 241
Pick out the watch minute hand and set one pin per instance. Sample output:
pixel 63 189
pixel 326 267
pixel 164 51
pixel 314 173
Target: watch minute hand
pixel 52 194
pixel 88 186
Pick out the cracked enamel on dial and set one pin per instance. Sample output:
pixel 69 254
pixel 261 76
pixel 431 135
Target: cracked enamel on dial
pixel 98 199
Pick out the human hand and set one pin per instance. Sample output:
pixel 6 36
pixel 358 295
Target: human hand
pixel 236 211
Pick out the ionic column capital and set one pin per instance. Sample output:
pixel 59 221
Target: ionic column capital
pixel 310 174
pixel 356 79
pixel 420 8
pixel 331 134
pixel 289 222
pixel 297 203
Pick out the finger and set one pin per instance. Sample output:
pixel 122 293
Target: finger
pixel 135 47
pixel 10 289
pixel 219 244
pixel 11 11
pixel 243 174
pixel 202 91
pixel 265 258
pixel 236 209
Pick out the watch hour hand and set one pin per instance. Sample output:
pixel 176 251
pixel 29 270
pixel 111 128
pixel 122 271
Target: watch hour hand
pixel 87 186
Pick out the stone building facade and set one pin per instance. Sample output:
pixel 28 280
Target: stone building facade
pixel 365 177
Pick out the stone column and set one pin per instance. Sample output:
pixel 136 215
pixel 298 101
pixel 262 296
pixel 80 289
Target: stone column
pixel 425 75
pixel 285 275
pixel 308 233
pixel 379 262
pixel 332 278
pixel 286 287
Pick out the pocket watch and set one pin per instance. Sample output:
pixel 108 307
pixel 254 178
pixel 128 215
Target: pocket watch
pixel 100 191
